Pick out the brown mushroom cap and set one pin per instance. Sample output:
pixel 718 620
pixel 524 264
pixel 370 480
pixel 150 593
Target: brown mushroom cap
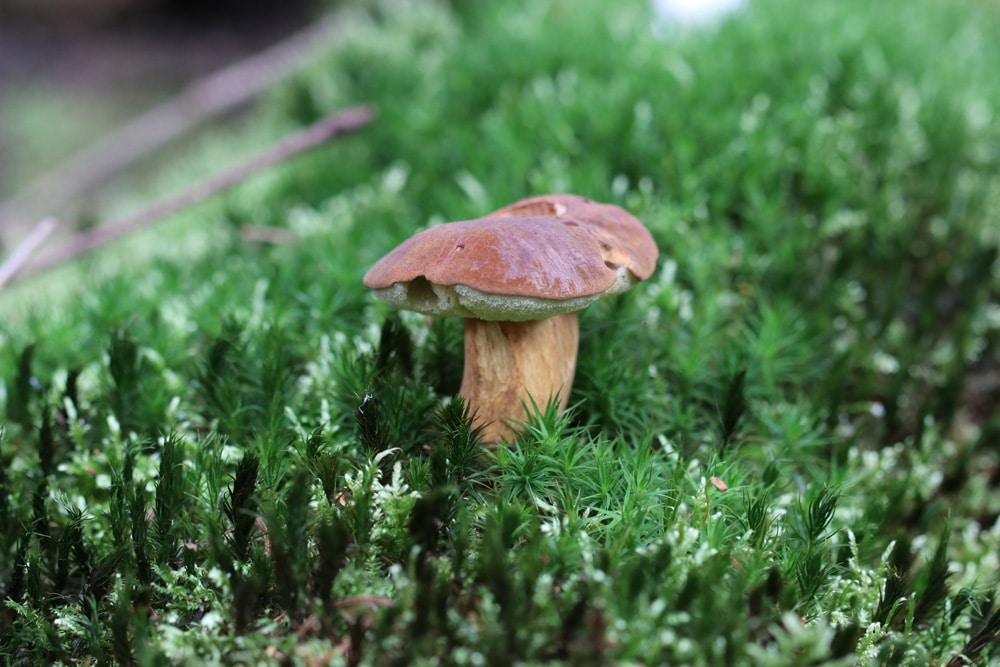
pixel 624 241
pixel 536 258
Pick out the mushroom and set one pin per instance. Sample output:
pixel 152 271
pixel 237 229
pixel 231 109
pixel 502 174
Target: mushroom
pixel 518 276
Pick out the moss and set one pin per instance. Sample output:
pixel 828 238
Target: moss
pixel 221 451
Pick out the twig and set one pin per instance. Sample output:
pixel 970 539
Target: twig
pixel 217 93
pixel 264 234
pixel 323 130
pixel 23 252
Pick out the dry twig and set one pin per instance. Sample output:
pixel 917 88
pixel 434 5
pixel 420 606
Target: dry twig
pixel 323 130
pixel 215 94
pixel 23 252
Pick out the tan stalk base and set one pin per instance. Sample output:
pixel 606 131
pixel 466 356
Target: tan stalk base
pixel 507 361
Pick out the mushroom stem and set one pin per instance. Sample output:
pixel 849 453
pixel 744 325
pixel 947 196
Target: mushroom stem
pixel 506 362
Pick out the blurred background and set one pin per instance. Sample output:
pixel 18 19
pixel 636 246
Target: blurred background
pixel 76 74
pixel 73 70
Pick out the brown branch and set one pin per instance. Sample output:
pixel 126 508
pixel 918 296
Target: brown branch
pixel 323 130
pixel 212 95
